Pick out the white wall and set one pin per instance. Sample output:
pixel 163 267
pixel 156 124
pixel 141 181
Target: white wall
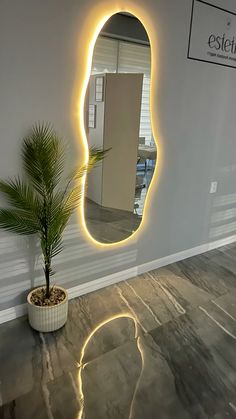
pixel 194 104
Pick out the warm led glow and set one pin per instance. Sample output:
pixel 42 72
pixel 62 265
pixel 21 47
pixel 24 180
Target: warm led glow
pixel 83 365
pixel 96 21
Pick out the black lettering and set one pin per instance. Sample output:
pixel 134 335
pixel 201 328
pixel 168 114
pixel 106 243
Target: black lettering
pixel 212 54
pixel 227 45
pixel 222 56
pixel 218 39
pixel 233 46
pixel 211 40
pixel 223 42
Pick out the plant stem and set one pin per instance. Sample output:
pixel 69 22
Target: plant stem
pixel 47 260
pixel 47 277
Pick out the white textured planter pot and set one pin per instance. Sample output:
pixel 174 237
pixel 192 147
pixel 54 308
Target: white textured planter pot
pixel 47 319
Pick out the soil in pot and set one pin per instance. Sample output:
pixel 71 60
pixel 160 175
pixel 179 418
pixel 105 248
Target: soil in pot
pixel 38 297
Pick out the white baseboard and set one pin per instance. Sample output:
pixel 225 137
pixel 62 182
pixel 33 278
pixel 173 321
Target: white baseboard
pixel 12 313
pixel 20 310
pixel 81 289
pixel 102 282
pixel 176 257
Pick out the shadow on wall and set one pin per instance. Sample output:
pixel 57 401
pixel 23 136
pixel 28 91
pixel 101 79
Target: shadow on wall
pixel 223 219
pixel 21 267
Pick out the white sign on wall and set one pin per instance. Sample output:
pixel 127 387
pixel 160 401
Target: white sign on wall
pixel 212 34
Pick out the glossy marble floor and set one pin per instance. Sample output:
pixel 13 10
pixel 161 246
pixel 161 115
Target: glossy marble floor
pixel 161 345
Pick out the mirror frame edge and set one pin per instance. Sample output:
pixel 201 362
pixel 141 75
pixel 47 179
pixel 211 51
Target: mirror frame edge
pixel 99 20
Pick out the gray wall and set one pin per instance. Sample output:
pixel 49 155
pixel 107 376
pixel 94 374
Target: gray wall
pixel 194 104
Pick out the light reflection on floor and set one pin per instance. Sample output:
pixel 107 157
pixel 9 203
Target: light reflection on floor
pixel 82 364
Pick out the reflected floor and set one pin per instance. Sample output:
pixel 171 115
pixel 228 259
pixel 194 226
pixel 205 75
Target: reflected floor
pixel 110 225
pixel 158 346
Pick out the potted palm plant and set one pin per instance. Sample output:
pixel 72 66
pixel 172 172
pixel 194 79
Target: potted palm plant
pixel 40 203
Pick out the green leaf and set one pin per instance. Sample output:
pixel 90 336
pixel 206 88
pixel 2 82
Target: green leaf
pixel 43 157
pixel 18 221
pixel 57 247
pixel 20 194
pixel 96 155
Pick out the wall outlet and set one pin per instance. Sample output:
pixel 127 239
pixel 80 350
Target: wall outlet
pixel 213 188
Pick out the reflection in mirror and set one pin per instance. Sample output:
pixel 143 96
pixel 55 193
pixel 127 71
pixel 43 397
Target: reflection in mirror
pixel 118 118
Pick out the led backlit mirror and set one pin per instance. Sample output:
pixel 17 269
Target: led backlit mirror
pixel 117 111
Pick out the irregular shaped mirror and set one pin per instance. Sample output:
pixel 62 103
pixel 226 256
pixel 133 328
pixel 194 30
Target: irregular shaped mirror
pixel 118 118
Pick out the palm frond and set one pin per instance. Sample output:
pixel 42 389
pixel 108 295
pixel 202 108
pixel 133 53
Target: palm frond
pixel 43 157
pixel 96 155
pixel 57 225
pixel 18 221
pixel 57 247
pixel 20 195
pixel 63 204
pixel 72 200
